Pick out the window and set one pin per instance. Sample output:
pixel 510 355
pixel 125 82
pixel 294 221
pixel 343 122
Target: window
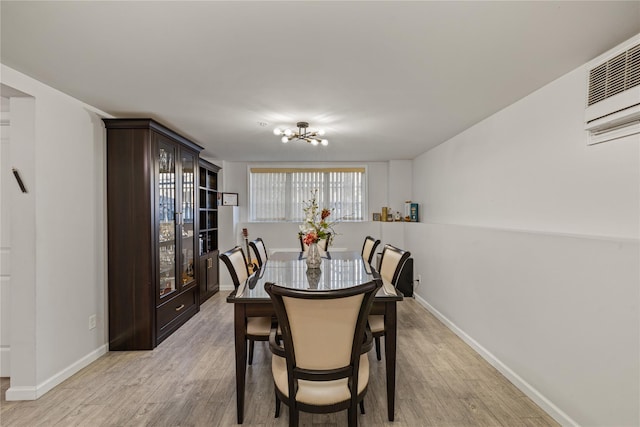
pixel 277 194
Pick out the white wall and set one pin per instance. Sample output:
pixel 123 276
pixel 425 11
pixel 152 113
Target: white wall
pixel 22 207
pixel 400 184
pixel 531 252
pixel 64 164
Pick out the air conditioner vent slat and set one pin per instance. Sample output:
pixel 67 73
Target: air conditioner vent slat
pixel 634 67
pixel 597 83
pixel 615 76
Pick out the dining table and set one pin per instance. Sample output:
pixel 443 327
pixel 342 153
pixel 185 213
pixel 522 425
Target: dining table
pixel 338 270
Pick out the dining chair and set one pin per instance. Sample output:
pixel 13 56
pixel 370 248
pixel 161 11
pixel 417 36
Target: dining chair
pixel 391 264
pixel 319 363
pixel 258 328
pixel 322 243
pixel 369 248
pixel 259 250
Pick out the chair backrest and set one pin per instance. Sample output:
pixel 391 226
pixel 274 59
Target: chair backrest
pixel 369 248
pixel 322 243
pixel 314 340
pixel 259 250
pixel 391 263
pixel 236 264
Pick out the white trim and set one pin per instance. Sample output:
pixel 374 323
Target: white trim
pixel 609 238
pixel 21 393
pixel 275 250
pixel 551 409
pixel 621 131
pixel 33 393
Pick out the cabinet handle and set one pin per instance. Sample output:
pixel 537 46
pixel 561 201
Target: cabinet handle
pixel 180 307
pixel 210 263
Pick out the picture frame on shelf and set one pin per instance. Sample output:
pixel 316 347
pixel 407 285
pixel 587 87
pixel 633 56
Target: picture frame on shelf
pixel 376 216
pixel 229 199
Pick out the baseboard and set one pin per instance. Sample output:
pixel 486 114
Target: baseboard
pixel 33 393
pixel 551 409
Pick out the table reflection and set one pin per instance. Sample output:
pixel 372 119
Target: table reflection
pixel 335 272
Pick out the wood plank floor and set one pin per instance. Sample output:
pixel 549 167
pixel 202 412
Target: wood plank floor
pixel 189 380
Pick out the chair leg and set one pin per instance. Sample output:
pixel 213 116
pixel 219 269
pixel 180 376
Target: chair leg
pixel 352 413
pixel 277 406
pixel 293 417
pixel 362 407
pixel 378 355
pixel 251 352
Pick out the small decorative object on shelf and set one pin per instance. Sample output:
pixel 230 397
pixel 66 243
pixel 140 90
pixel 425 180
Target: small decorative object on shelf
pixel 407 210
pixel 387 214
pixel 414 212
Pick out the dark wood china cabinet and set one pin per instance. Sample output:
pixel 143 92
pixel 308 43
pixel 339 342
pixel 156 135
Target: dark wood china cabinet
pixel 152 185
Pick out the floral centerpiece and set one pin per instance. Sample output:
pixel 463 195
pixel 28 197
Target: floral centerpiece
pixel 316 225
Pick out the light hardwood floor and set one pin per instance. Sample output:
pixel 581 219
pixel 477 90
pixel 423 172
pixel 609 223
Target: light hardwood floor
pixel 188 380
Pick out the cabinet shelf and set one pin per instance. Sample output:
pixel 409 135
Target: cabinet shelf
pixel 208 229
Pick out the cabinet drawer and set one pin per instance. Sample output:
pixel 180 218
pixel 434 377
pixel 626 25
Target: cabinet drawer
pixel 176 308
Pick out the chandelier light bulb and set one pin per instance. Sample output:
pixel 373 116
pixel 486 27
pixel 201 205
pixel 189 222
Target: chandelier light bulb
pixel 324 142
pixel 284 139
pixel 314 142
pixel 277 132
pixel 321 132
pixel 288 132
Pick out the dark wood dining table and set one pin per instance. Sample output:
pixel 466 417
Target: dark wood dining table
pixel 338 270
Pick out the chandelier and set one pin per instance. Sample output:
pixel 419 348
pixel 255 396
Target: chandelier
pixel 301 135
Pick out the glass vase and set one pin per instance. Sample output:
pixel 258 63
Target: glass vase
pixel 313 277
pixel 313 256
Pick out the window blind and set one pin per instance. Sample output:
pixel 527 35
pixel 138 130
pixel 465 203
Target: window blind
pixel 278 194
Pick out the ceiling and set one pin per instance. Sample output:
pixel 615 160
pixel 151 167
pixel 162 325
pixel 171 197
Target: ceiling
pixel 386 80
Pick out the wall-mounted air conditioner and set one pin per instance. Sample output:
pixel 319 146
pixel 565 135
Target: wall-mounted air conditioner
pixel 613 101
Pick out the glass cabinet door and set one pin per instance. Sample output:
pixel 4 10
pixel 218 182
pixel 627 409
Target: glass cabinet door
pixel 186 222
pixel 167 217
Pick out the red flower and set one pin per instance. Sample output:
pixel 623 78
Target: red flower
pixel 310 238
pixel 325 213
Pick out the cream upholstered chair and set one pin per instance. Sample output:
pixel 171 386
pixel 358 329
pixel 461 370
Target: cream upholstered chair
pixel 369 248
pixel 320 363
pixel 258 328
pixel 259 250
pixel 391 264
pixel 323 243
